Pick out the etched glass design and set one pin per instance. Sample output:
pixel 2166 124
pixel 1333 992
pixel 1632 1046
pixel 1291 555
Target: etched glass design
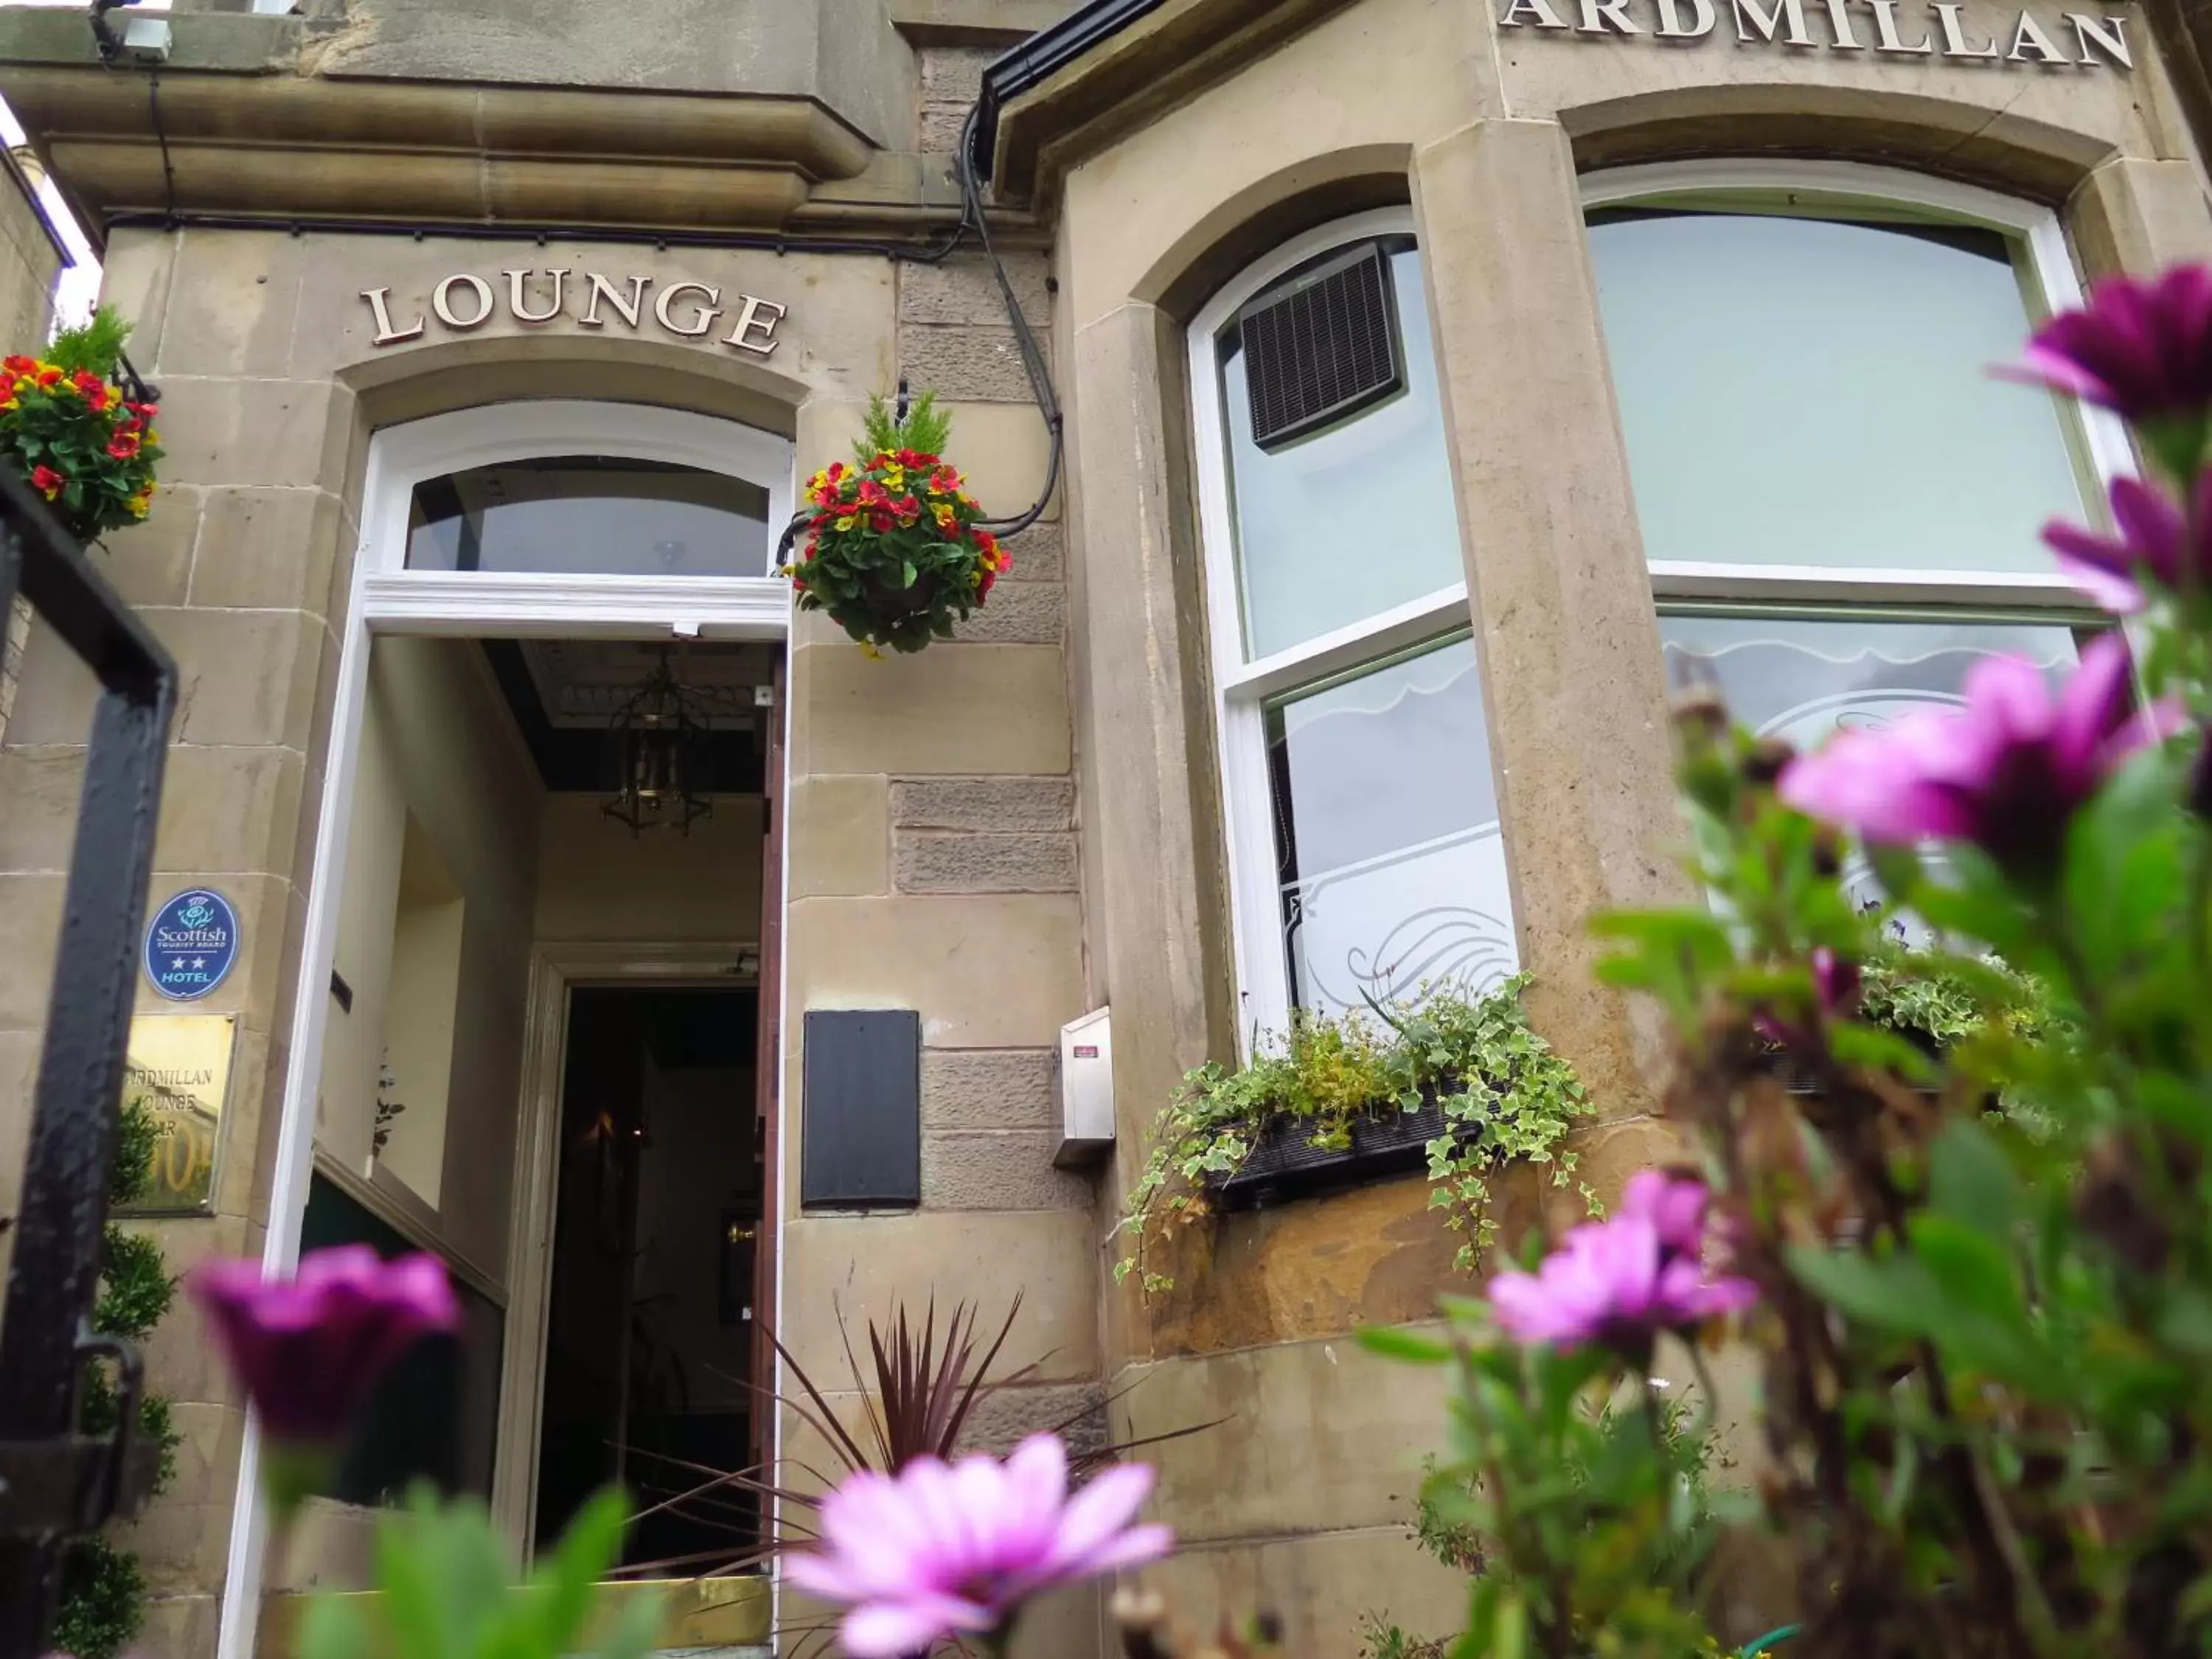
pixel 1803 678
pixel 1392 868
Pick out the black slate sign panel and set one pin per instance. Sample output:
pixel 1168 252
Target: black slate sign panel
pixel 862 1137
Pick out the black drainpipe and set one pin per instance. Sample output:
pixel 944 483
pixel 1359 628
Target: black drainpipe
pixel 1036 59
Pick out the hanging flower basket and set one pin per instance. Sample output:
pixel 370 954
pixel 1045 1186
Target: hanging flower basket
pixel 896 552
pixel 74 435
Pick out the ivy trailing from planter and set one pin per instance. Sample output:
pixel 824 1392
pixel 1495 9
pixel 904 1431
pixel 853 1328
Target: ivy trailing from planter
pixel 68 428
pixel 896 551
pixel 1987 1019
pixel 1506 1097
pixel 103 1600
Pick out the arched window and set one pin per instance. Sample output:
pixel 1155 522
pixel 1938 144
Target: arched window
pixel 1365 855
pixel 549 516
pixel 1840 504
pixel 597 513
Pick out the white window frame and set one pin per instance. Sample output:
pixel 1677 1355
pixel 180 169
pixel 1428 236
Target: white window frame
pixel 559 603
pixel 2051 261
pixel 1241 688
pixel 388 598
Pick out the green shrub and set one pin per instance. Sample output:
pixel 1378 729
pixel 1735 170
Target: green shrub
pixel 103 1600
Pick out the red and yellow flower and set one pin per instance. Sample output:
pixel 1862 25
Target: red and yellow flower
pixel 80 441
pixel 895 552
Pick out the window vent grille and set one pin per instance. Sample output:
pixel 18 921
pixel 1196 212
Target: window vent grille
pixel 1321 348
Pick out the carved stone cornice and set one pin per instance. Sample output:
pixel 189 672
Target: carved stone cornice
pixel 280 144
pixel 1123 81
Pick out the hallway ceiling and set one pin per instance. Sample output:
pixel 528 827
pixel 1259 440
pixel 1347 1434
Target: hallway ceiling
pixel 565 695
pixel 583 683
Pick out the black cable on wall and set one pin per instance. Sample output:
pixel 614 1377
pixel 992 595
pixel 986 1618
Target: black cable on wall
pixel 973 216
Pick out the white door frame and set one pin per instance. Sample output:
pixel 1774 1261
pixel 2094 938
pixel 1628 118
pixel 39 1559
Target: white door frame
pixel 388 598
pixel 556 970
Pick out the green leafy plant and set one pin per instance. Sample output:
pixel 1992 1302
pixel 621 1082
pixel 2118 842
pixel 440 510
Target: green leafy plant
pixel 896 551
pixel 1460 1525
pixel 73 433
pixel 387 1109
pixel 1983 1336
pixel 1582 1515
pixel 449 1592
pixel 1381 1639
pixel 103 1600
pixel 1505 1095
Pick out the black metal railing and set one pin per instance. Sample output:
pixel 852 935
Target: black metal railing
pixel 55 1483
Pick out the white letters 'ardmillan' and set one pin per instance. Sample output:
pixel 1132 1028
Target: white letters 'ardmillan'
pixel 687 310
pixel 2097 40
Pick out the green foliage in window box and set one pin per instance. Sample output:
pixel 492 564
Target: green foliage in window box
pixel 1506 1096
pixel 1995 1026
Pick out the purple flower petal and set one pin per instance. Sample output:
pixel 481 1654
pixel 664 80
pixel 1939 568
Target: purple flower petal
pixel 892 1630
pixel 1095 1514
pixel 2007 770
pixel 1614 1282
pixel 2091 707
pixel 309 1351
pixel 939 1550
pixel 2097 565
pixel 1674 1206
pixel 2143 349
pixel 2048 365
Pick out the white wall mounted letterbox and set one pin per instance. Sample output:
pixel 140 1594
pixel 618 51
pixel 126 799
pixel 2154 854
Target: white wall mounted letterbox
pixel 1086 1089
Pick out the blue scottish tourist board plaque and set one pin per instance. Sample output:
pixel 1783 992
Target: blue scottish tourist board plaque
pixel 192 944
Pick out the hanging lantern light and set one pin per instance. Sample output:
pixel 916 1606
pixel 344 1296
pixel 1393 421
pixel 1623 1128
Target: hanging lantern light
pixel 659 756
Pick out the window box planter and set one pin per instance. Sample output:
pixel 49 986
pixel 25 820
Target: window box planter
pixel 1284 1164
pixel 1237 1138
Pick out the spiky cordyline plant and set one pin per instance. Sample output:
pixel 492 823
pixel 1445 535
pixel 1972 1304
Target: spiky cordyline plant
pixel 917 1395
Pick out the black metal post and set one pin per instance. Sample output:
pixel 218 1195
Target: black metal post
pixel 53 1483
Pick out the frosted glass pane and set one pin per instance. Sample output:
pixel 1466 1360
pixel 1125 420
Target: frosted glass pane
pixel 1393 868
pixel 1802 391
pixel 1344 524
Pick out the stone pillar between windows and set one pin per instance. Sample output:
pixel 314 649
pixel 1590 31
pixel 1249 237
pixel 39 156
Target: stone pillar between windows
pixel 2139 215
pixel 1155 920
pixel 1572 676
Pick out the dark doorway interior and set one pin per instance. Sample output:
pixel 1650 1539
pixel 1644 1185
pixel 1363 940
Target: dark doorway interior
pixel 649 1343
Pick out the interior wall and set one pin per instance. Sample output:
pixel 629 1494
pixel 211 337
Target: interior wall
pixel 439 747
pixel 597 881
pixel 353 1042
pixel 420 1013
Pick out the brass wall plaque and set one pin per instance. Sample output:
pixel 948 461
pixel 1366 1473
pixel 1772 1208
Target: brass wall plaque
pixel 179 1065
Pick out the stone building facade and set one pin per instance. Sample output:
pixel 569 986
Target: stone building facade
pixel 338 228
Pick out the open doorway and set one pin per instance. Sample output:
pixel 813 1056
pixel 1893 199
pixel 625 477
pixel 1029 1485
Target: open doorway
pixel 531 575
pixel 649 1348
pixel 553 979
